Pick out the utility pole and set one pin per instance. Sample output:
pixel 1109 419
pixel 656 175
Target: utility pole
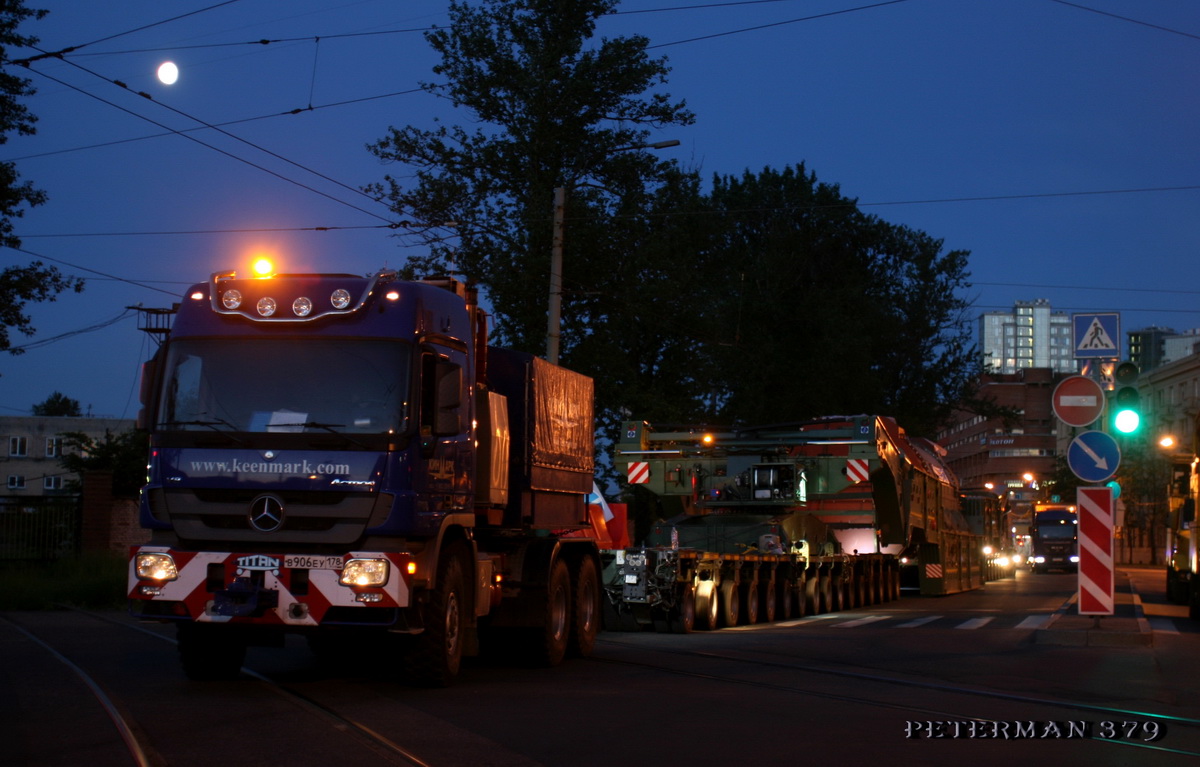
pixel 554 314
pixel 553 331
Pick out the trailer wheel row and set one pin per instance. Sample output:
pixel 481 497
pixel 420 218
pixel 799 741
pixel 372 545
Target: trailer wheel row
pixel 726 591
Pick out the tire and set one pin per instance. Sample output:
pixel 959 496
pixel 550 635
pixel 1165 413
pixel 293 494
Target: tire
pixel 769 602
pixel 798 593
pixel 436 656
pixel 550 645
pixel 750 604
pixel 708 607
pixel 826 590
pixel 210 653
pixel 812 595
pixel 683 617
pixel 731 603
pixel 585 609
pixel 783 596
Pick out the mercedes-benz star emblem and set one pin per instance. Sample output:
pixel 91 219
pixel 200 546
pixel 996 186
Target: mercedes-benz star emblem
pixel 266 513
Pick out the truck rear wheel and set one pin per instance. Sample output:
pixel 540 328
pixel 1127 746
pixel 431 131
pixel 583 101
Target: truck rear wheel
pixel 585 615
pixel 550 645
pixel 436 656
pixel 210 653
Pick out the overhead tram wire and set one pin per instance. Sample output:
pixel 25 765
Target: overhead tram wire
pixel 71 49
pixel 225 133
pixel 777 24
pixel 93 271
pixel 1126 18
pixel 290 112
pixel 129 312
pixel 218 149
pixel 254 230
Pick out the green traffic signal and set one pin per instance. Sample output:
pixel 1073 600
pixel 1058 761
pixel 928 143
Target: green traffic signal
pixel 1127 403
pixel 1127 421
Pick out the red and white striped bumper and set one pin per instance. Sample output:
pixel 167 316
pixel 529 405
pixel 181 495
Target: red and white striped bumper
pixel 265 589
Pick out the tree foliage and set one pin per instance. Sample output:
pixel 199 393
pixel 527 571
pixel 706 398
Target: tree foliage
pixel 14 117
pixel 58 404
pixel 834 310
pixel 19 285
pixel 768 297
pixel 124 454
pixel 551 111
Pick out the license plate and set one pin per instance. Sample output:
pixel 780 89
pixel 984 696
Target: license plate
pixel 308 562
pixel 631 579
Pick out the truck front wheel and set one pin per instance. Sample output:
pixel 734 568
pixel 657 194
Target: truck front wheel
pixel 436 658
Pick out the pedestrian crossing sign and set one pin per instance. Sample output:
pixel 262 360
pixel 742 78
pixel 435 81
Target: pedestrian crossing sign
pixel 1097 336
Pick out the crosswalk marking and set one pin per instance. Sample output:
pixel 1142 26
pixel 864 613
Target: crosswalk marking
pixel 1158 624
pixel 861 621
pixel 919 622
pixel 1034 622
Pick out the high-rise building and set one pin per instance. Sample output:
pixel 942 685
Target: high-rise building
pixel 1147 347
pixel 1032 335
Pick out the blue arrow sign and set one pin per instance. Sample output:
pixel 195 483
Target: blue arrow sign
pixel 1093 456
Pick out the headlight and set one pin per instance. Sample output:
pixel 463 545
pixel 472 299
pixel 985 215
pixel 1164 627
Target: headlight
pixel 1002 561
pixel 1074 557
pixel 155 567
pixel 365 572
pixel 1016 559
pixel 1039 560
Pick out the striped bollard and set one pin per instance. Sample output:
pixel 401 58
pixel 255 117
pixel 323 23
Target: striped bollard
pixel 1096 570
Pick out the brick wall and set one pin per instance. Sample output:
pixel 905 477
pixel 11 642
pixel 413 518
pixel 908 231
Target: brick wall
pixel 109 524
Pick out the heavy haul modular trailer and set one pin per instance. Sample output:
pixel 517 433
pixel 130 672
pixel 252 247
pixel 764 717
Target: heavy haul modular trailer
pixel 824 515
pixel 688 589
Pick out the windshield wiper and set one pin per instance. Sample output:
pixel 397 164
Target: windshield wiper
pixel 213 424
pixel 329 427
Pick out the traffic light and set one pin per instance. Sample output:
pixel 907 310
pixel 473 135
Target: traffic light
pixel 1127 403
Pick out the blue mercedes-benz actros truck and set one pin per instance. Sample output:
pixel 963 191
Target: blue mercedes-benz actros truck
pixel 345 457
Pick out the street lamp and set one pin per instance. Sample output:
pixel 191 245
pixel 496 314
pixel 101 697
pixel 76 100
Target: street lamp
pixel 554 314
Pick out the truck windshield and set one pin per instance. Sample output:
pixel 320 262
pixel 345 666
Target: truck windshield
pixel 1055 532
pixel 355 386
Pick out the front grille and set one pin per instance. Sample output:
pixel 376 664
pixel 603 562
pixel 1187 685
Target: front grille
pixel 308 517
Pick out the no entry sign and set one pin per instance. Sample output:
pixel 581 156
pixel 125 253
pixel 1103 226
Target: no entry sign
pixel 1078 400
pixel 1096 579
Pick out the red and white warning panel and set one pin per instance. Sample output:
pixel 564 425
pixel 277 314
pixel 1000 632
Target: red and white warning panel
pixel 1096 573
pixel 857 469
pixel 639 473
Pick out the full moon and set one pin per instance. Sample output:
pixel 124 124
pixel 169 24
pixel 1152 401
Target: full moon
pixel 168 73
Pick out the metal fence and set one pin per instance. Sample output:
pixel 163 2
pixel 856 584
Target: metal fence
pixel 39 529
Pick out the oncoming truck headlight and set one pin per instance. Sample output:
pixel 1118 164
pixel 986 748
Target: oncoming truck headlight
pixel 155 567
pixel 365 572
